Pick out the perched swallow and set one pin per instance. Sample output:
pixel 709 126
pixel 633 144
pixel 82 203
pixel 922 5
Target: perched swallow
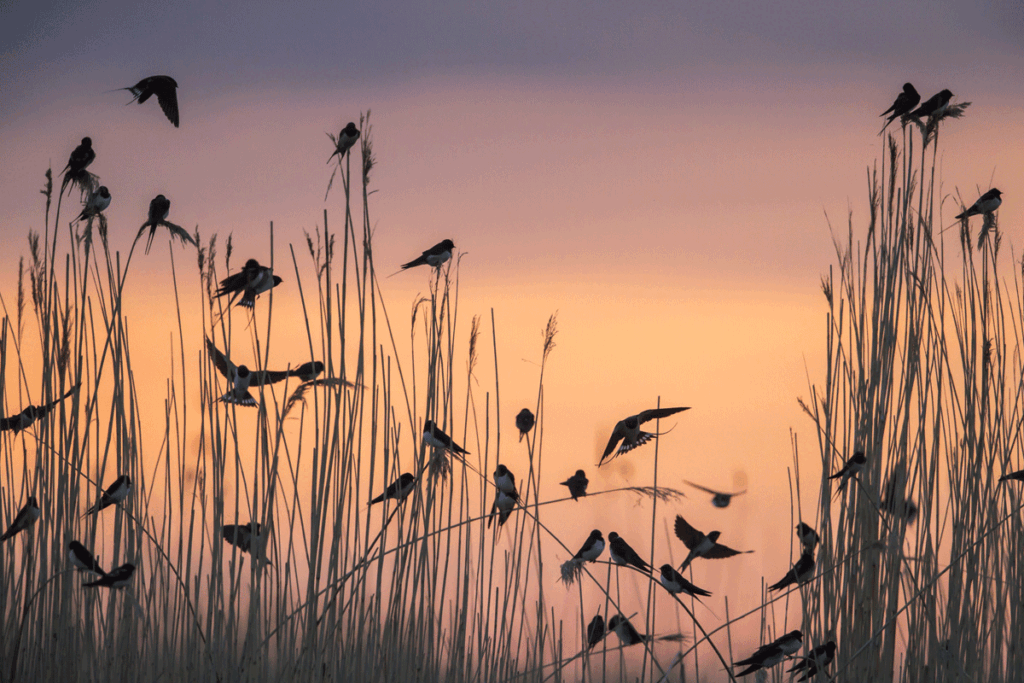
pixel 97 203
pixel 115 578
pixel 80 158
pixel 115 493
pixel 164 88
pixel 623 554
pixel 675 583
pixel 25 518
pixel 524 422
pixel 159 209
pixel 595 631
pixel 250 282
pixel 592 548
pixel 625 631
pixel 987 203
pixel 817 660
pixel 807 535
pixel 719 500
pixel 904 103
pixel 852 467
pixel 432 436
pixel 506 482
pixel 241 377
pixel 801 573
pixel 26 417
pixel 503 506
pixel 934 106
pixel 628 431
pixel 434 257
pixel 771 654
pixel 346 139
pixel 307 372
pixel 398 490
pixel 83 560
pixel 1013 476
pixel 702 545
pixel 577 484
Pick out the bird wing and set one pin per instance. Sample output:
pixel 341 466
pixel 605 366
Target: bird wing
pixel 705 489
pixel 687 534
pixel 658 413
pixel 616 437
pixel 14 420
pixel 226 367
pixel 264 377
pixel 168 100
pixel 720 551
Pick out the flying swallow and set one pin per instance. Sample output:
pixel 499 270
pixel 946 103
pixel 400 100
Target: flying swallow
pixel 625 631
pixel 817 660
pixel 904 103
pixel 675 583
pixel 241 377
pixel 80 158
pixel 434 257
pixel 628 431
pixel 720 499
pixel 83 560
pixel 159 209
pixel 595 631
pixel 623 554
pixel 503 506
pixel 934 106
pixel 801 573
pixel 398 489
pixel 1013 476
pixel 98 202
pixel 115 493
pixel 26 417
pixel 771 654
pixel 506 482
pixel 433 436
pixel 346 139
pixel 852 467
pixel 987 203
pixel 115 578
pixel 524 422
pixel 243 535
pixel 249 282
pixel 164 88
pixel 592 548
pixel 807 535
pixel 702 545
pixel 25 518
pixel 577 484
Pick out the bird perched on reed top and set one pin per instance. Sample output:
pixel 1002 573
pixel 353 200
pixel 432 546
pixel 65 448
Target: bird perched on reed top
pixel 164 87
pixel 524 422
pixel 933 106
pixel 987 203
pixel 249 282
pixel 628 432
pixel 345 141
pixel 435 257
pixel 905 102
pixel 80 158
pixel 97 203
pixel 159 209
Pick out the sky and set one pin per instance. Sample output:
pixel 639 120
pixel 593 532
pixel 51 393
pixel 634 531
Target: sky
pixel 663 175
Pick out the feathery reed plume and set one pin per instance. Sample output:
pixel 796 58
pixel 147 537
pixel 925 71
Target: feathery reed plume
pixel 369 160
pixel 663 494
pixel 21 296
pixel 550 330
pixel 474 335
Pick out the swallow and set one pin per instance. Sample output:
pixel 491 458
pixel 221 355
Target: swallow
pixel 164 88
pixel 771 654
pixel 934 106
pixel 26 517
pixel 1013 476
pixel 625 631
pixel 242 535
pixel 434 257
pixel 807 536
pixel 592 548
pixel 115 493
pixel 719 499
pixel 702 545
pixel 628 431
pixel 503 506
pixel 524 422
pixel 577 484
pixel 398 490
pixel 159 209
pixel 115 578
pixel 26 417
pixel 674 583
pixel 624 555
pixel 801 573
pixel 241 378
pixel 83 560
pixel 818 660
pixel 307 372
pixel 595 631
pixel 987 203
pixel 250 282
pixel 432 436
pixel 96 204
pixel 80 158
pixel 852 467
pixel 905 102
pixel 506 482
pixel 346 139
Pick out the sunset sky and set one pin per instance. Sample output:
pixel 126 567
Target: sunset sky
pixel 662 175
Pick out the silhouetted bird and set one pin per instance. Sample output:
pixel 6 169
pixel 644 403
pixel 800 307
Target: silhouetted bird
pixel 505 481
pixel 933 106
pixel 26 517
pixel 592 548
pixel 628 431
pixel 159 209
pixel 433 436
pixel 577 484
pixel 307 372
pixel 720 499
pixel 524 422
pixel 904 103
pixel 115 493
pixel 675 583
pixel 987 203
pixel 26 417
pixel 816 661
pixel 771 654
pixel 503 506
pixel 801 573
pixel 249 282
pixel 702 545
pixel 434 257
pixel 115 578
pixel 83 560
pixel 80 158
pixel 595 631
pixel 241 378
pixel 97 203
pixel 346 139
pixel 623 554
pixel 398 490
pixel 807 535
pixel 852 467
pixel 246 537
pixel 625 631
pixel 164 87
pixel 1013 476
